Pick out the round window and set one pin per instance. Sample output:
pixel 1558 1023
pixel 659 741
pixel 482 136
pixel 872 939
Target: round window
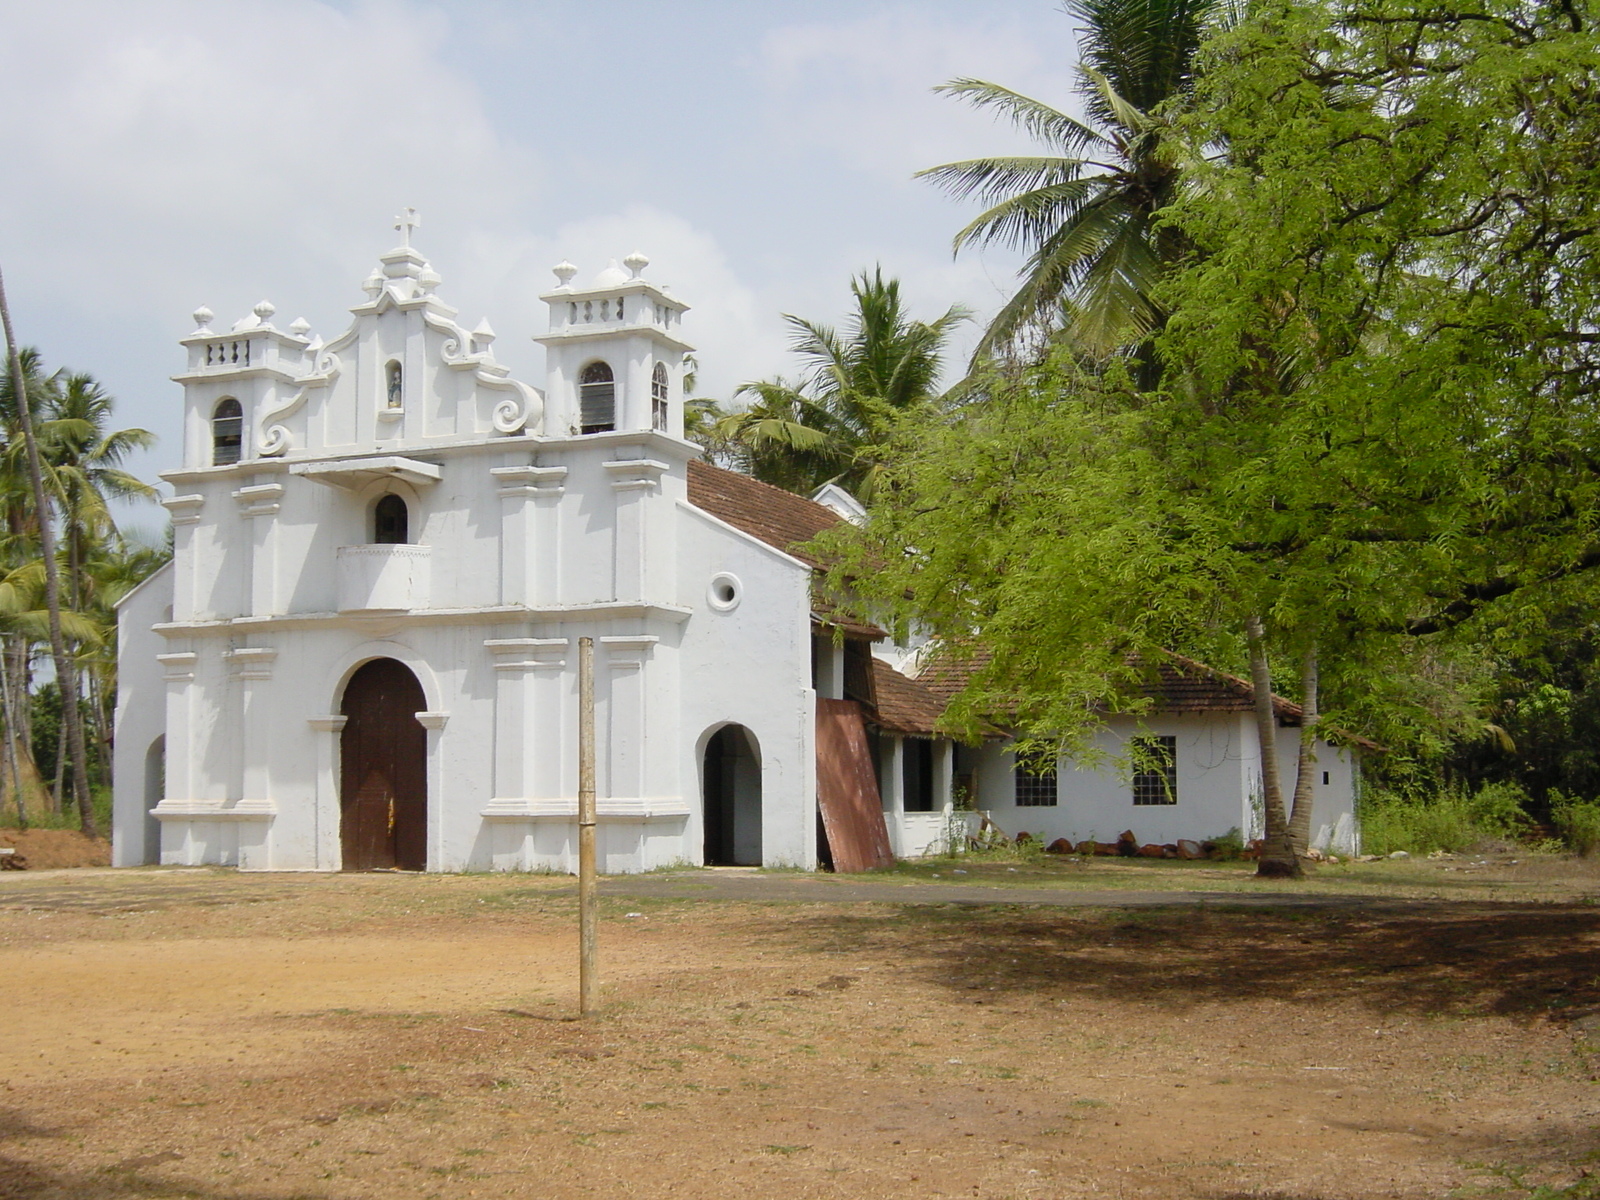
pixel 725 592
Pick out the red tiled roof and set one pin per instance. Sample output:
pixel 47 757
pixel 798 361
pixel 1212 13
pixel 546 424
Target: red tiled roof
pixel 776 517
pixel 945 671
pixel 1180 684
pixel 904 705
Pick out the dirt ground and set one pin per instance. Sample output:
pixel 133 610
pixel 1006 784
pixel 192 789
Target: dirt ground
pixel 198 1033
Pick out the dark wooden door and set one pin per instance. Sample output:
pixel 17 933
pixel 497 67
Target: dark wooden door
pixel 383 788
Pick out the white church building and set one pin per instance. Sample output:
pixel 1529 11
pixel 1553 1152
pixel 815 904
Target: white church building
pixel 363 654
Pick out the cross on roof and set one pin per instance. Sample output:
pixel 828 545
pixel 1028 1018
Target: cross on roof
pixel 405 223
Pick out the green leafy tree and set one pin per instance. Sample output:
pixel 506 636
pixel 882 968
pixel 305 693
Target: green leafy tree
pixel 830 426
pixel 1085 209
pixel 1373 446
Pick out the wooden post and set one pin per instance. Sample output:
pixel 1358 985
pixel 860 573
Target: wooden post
pixel 588 983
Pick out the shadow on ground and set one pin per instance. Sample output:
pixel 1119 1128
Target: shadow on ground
pixel 22 1181
pixel 1462 960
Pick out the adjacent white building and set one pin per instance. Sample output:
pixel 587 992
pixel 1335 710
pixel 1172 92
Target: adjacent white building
pixel 1190 768
pixel 363 653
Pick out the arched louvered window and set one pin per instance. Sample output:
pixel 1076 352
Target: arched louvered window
pixel 597 399
pixel 391 522
pixel 658 397
pixel 227 432
pixel 394 383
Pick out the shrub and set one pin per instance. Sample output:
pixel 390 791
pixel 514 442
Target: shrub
pixel 1450 821
pixel 1228 846
pixel 1500 810
pixel 1577 821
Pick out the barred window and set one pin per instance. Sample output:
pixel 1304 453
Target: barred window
pixel 227 432
pixel 658 397
pixel 1155 770
pixel 1035 781
pixel 597 399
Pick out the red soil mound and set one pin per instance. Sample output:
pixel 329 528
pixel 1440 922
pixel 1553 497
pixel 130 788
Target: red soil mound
pixel 45 849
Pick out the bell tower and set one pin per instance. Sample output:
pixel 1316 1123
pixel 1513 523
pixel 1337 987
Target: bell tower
pixel 614 354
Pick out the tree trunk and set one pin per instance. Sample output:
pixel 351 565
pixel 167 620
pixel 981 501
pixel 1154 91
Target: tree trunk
pixel 66 675
pixel 103 733
pixel 61 767
pixel 1305 777
pixel 20 658
pixel 12 768
pixel 1278 859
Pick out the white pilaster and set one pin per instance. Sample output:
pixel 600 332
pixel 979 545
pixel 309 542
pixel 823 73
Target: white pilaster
pixel 625 715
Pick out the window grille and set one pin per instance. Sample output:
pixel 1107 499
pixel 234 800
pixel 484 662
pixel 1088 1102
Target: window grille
pixel 658 397
pixel 1035 783
pixel 227 432
pixel 597 399
pixel 1155 770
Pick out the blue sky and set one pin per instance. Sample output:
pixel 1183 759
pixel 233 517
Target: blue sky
pixel 174 153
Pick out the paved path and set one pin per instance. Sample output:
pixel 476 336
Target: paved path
pixel 735 884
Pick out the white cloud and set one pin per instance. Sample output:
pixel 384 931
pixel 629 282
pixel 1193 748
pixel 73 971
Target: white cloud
pixel 170 153
pixel 863 88
pixel 735 330
pixel 183 152
pixel 183 142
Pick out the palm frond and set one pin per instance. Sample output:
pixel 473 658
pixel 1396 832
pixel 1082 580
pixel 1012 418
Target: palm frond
pixel 1038 119
pixel 1033 217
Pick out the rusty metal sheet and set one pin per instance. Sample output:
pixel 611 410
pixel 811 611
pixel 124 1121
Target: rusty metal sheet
pixel 847 789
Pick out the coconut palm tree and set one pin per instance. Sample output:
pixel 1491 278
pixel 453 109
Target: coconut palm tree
pixel 22 408
pixel 84 460
pixel 1084 209
pixel 828 425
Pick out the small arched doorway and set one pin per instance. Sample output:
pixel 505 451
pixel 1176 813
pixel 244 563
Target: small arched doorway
pixel 383 785
pixel 731 789
pixel 155 789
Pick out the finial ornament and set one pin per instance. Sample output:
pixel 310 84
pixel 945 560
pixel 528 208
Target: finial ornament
pixel 203 317
pixel 301 327
pixel 264 309
pixel 405 223
pixel 635 263
pixel 564 271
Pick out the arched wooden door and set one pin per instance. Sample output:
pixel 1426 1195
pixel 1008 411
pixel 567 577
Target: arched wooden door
pixel 383 786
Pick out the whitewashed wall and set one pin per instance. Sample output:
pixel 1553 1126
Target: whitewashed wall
pixel 523 544
pixel 1218 765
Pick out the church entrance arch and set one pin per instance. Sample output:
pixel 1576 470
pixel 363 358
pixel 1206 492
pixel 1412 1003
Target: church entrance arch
pixel 383 785
pixel 731 790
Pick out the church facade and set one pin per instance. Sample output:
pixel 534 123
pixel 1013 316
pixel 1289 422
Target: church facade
pixel 364 651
